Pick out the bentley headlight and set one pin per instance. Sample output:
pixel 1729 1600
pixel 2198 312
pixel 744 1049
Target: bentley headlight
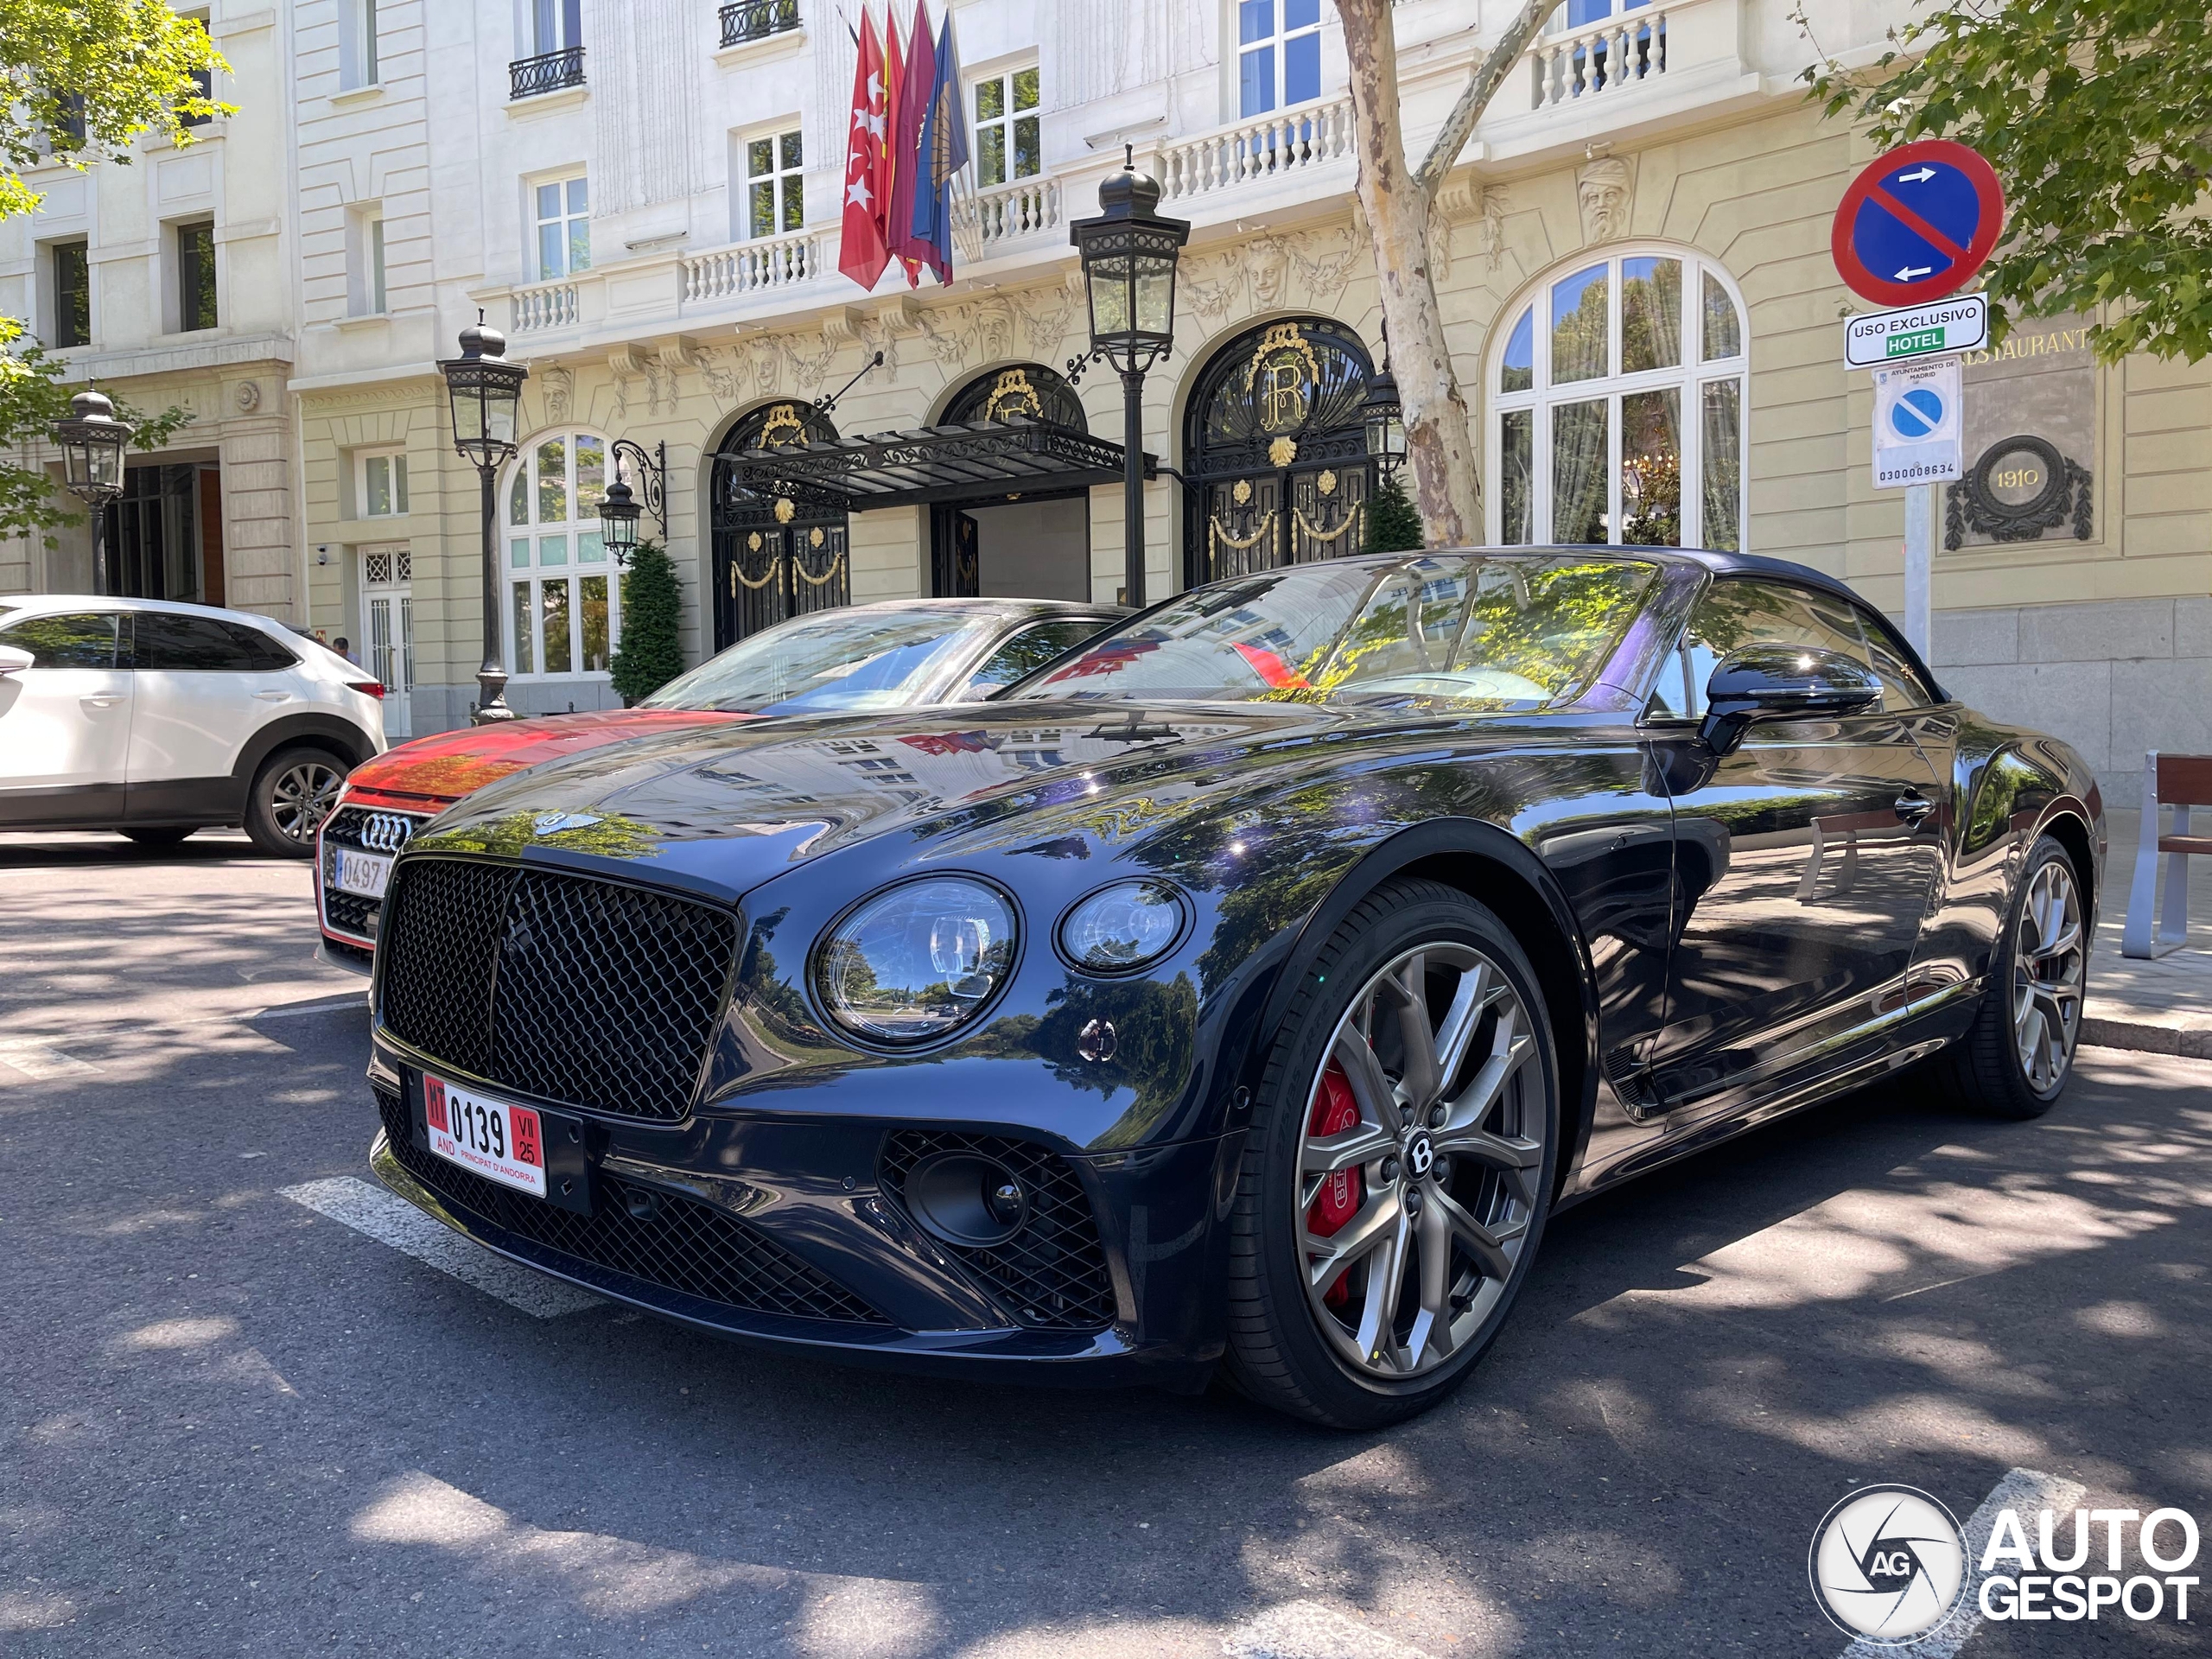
pixel 1122 927
pixel 918 960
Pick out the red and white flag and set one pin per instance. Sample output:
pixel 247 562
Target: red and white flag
pixel 861 251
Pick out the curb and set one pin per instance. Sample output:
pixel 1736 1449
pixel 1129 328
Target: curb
pixel 2129 1028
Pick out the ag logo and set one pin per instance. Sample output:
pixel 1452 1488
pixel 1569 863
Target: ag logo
pixel 1888 1564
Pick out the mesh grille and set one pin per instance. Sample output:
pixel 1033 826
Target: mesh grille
pixel 1051 1275
pixel 349 912
pixel 686 1245
pixel 588 992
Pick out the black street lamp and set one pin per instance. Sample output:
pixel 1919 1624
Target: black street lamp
pixel 619 509
pixel 1129 256
pixel 92 442
pixel 483 388
pixel 1385 422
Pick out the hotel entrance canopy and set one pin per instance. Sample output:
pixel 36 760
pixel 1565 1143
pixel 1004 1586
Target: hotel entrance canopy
pixel 971 461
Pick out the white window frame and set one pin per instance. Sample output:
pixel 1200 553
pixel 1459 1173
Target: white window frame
pixel 367 291
pixel 1690 376
pixel 777 176
pixel 537 552
pixel 357 57
pixel 1005 122
pixel 567 215
pixel 1279 41
pixel 394 462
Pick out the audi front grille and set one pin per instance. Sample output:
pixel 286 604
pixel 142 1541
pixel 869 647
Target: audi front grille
pixel 361 829
pixel 594 993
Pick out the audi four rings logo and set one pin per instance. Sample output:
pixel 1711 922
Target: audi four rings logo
pixel 1888 1564
pixel 386 832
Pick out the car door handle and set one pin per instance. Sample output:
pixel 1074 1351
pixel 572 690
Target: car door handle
pixel 273 696
pixel 1913 806
pixel 103 700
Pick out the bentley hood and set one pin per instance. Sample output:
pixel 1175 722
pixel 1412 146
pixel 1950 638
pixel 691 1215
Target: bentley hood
pixel 729 808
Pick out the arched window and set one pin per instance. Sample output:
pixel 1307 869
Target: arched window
pixel 780 556
pixel 1617 407
pixel 1025 388
pixel 563 612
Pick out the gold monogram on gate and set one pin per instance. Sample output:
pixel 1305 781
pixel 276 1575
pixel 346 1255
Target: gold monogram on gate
pixel 782 426
pixel 1281 376
pixel 1012 395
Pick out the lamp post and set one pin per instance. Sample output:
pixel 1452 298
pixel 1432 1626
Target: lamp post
pixel 92 442
pixel 619 509
pixel 1129 256
pixel 483 388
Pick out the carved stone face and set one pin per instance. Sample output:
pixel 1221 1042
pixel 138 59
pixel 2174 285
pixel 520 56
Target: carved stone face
pixel 1602 190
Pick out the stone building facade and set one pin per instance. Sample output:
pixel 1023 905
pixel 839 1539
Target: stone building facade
pixel 1631 256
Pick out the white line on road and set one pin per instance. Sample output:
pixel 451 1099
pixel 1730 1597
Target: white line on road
pixel 393 1220
pixel 40 1061
pixel 2024 1491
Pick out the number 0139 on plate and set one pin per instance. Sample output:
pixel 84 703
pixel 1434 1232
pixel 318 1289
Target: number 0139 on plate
pixel 491 1138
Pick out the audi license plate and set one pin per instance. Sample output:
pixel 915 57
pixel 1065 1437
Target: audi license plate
pixel 366 875
pixel 487 1137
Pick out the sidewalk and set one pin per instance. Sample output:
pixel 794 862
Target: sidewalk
pixel 2158 1008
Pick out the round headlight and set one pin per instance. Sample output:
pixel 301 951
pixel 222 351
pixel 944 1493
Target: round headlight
pixel 1121 927
pixel 918 960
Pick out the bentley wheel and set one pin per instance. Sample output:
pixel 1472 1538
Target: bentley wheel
pixel 290 797
pixel 2015 1059
pixel 1400 1166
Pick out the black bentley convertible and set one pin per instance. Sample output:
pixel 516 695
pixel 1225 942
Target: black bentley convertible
pixel 1243 991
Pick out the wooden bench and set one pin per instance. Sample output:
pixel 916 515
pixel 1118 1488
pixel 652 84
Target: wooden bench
pixel 2179 781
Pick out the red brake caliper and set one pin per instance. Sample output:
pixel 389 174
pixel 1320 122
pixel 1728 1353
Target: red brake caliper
pixel 1341 1195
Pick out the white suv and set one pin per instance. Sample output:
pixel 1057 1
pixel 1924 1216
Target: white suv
pixel 157 719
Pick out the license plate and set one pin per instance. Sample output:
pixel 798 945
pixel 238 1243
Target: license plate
pixel 366 875
pixel 487 1137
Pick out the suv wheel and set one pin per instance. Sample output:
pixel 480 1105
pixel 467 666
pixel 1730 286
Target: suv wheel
pixel 1400 1164
pixel 291 795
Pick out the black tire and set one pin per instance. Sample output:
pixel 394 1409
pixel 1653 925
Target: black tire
pixel 161 836
pixel 1279 1352
pixel 1997 1066
pixel 289 797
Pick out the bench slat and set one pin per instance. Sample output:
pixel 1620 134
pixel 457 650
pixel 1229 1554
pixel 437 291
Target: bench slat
pixel 2185 779
pixel 2185 843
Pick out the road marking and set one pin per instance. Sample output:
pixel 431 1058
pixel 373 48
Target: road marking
pixel 2023 1492
pixel 1310 1630
pixel 40 1061
pixel 392 1220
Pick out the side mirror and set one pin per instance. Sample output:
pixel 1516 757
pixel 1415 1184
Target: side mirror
pixel 14 659
pixel 1781 682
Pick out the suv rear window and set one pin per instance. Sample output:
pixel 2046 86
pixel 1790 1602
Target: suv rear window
pixel 74 640
pixel 208 645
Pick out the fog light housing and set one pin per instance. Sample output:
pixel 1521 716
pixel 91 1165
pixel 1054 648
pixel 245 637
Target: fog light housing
pixel 967 1199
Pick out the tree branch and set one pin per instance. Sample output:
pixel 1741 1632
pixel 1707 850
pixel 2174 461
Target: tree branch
pixel 1482 86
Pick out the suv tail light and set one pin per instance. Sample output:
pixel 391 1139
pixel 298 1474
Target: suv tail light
pixel 374 688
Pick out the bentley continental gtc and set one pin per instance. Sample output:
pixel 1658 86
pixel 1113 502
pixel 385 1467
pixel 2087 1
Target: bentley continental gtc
pixel 1239 995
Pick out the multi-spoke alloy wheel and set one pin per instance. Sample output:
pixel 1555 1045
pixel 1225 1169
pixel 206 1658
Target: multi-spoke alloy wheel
pixel 2048 964
pixel 2015 1058
pixel 1400 1164
pixel 291 796
pixel 1416 1172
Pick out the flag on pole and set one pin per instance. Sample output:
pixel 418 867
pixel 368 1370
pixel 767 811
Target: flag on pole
pixel 944 153
pixel 862 253
pixel 906 135
pixel 894 94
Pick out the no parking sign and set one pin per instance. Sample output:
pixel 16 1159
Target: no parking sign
pixel 1916 425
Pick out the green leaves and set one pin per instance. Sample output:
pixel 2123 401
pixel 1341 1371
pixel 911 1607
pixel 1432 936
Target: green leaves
pixel 2097 114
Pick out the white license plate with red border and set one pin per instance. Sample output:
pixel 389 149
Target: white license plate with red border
pixel 363 874
pixel 485 1136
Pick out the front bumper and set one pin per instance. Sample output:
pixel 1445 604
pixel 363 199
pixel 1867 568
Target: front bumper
pixel 726 1224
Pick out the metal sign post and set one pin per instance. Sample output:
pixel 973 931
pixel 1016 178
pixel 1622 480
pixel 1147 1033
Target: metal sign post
pixel 1914 227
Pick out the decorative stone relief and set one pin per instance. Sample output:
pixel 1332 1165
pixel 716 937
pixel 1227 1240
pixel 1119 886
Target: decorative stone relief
pixel 1046 313
pixel 248 397
pixel 560 385
pixel 768 361
pixel 1325 268
pixel 1493 208
pixel 721 371
pixel 1267 268
pixel 1605 190
pixel 1206 290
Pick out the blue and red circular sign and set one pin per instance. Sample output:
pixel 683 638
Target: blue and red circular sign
pixel 1918 224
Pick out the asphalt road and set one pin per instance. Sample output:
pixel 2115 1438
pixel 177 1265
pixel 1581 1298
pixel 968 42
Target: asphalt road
pixel 231 1425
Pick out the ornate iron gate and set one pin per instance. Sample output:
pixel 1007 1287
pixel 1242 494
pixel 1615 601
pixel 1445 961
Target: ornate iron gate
pixel 775 556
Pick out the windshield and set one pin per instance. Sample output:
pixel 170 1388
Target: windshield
pixel 1449 631
pixel 829 661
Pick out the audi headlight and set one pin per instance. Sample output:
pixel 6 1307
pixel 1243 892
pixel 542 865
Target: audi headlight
pixel 1122 927
pixel 917 961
